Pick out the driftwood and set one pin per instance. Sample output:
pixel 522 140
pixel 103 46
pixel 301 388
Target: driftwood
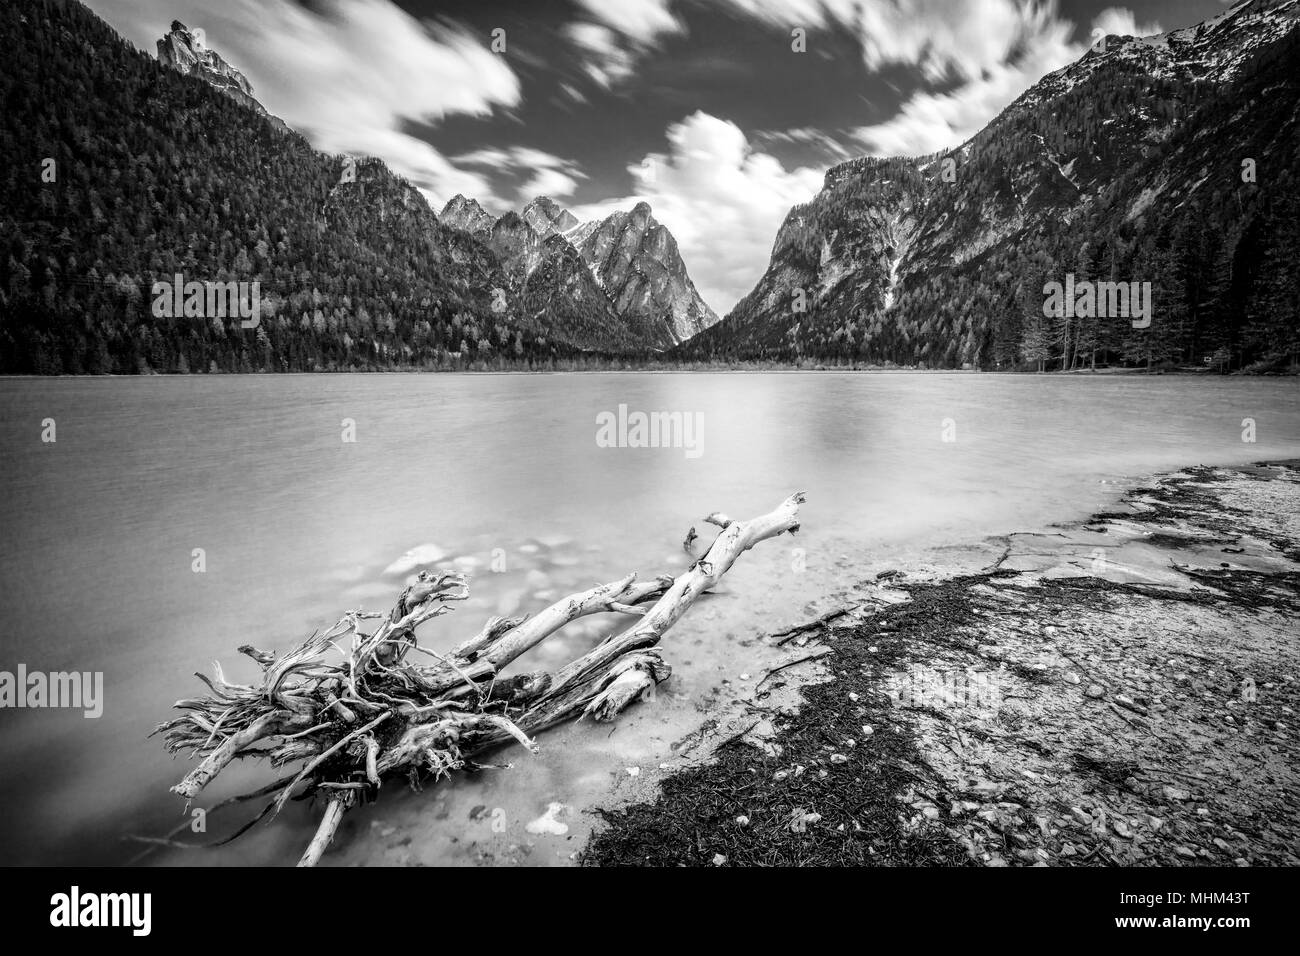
pixel 350 719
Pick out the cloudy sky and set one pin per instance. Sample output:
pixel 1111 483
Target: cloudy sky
pixel 703 108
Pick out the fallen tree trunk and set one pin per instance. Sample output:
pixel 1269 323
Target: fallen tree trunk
pixel 378 713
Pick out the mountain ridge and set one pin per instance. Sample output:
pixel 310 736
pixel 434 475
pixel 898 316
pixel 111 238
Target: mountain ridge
pixel 631 256
pixel 1131 171
pixel 184 51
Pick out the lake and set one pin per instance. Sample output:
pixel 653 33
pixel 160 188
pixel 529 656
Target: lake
pixel 502 476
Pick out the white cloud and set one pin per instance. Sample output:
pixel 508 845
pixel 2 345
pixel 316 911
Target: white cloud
pixel 995 49
pixel 1121 22
pixel 639 20
pixel 928 121
pixel 960 38
pixel 606 61
pixel 721 199
pixel 552 175
pixel 806 136
pixel 349 74
pixel 616 32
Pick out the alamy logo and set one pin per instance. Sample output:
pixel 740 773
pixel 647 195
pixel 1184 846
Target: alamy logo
pixel 1088 299
pixel 74 908
pixel 926 687
pixel 651 430
pixel 73 689
pixel 177 299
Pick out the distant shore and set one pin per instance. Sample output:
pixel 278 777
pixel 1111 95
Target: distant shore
pixel 1119 691
pixel 740 368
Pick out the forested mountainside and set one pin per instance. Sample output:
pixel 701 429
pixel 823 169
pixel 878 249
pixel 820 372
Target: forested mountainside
pixel 1171 160
pixel 120 172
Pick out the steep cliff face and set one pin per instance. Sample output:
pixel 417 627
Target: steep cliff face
pixel 467 215
pixel 185 51
pixel 631 259
pixel 517 246
pixel 548 218
pixel 637 262
pixel 1127 163
pixel 846 252
pixel 561 296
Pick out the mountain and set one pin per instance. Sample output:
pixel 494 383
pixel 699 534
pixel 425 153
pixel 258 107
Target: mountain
pixel 467 215
pixel 630 256
pixel 547 218
pixel 517 247
pixel 184 51
pixel 554 289
pixel 562 294
pixel 1171 160
pixel 637 262
pixel 118 173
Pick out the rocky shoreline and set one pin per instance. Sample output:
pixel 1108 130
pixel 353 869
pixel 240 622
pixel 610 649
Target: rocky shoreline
pixel 1119 691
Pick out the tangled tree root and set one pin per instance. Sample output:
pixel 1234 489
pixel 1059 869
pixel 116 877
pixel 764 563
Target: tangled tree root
pixel 379 712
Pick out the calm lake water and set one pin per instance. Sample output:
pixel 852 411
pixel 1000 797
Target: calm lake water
pixel 297 526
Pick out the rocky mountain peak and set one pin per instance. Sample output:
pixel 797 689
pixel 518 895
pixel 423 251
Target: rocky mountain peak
pixel 546 216
pixel 467 214
pixel 630 259
pixel 186 51
pixel 637 262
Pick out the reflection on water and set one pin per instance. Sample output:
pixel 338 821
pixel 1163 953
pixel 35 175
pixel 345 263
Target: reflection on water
pixel 500 476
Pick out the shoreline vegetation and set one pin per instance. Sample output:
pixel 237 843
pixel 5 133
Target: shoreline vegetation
pixel 598 367
pixel 1117 691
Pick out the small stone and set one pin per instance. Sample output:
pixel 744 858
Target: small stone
pixel 719 859
pixel 744 677
pixel 633 771
pixel 1175 793
pixel 742 820
pixel 853 697
pixel 780 775
pixel 1071 677
pixel 866 730
pixel 1094 691
pixel 839 758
